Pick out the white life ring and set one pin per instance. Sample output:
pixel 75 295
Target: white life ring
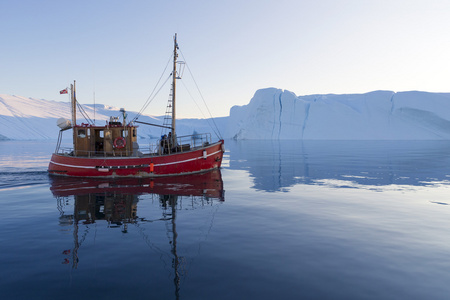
pixel 120 143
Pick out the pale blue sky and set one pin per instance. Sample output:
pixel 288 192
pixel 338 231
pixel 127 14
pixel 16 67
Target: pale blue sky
pixel 120 48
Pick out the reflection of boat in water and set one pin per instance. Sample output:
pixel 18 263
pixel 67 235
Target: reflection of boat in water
pixel 116 202
pixel 207 184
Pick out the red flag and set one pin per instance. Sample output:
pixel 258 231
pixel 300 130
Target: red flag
pixel 63 91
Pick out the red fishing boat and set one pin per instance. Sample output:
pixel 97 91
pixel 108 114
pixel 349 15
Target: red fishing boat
pixel 112 150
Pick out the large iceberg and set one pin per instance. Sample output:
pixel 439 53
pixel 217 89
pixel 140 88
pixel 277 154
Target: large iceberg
pixel 381 115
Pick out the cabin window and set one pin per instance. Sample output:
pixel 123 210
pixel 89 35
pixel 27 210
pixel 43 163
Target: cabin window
pixel 134 132
pixel 101 133
pixel 89 132
pixel 124 133
pixel 81 133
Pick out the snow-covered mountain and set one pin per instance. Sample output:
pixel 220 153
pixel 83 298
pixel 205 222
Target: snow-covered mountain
pixel 271 114
pixel 24 118
pixel 380 115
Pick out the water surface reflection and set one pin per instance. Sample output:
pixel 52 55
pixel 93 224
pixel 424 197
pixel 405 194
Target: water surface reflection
pixel 84 202
pixel 275 165
pixel 289 229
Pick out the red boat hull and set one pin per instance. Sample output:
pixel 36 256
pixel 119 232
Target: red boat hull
pixel 194 161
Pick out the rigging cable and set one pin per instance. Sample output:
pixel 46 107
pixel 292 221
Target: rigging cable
pixel 152 97
pixel 147 104
pixel 84 113
pixel 199 108
pixel 201 95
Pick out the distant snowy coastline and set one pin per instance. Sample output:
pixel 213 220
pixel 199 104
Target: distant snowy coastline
pixel 24 118
pixel 271 114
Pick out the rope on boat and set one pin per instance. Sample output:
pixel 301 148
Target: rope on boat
pixel 58 143
pixel 84 113
pixel 204 102
pixel 152 97
pixel 207 120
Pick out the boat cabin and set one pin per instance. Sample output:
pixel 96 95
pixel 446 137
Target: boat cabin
pixel 113 139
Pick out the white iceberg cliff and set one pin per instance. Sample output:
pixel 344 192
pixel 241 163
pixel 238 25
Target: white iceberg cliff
pixel 380 115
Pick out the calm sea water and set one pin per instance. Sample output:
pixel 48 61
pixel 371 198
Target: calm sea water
pixel 282 220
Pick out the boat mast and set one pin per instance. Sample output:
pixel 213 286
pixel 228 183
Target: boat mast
pixel 73 101
pixel 174 78
pixel 176 260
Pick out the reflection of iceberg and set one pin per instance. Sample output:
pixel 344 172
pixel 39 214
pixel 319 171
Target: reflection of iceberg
pixel 116 202
pixel 275 165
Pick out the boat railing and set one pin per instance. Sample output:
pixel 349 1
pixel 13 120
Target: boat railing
pixel 64 150
pixel 161 147
pixel 195 140
pixel 98 153
pixel 183 143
